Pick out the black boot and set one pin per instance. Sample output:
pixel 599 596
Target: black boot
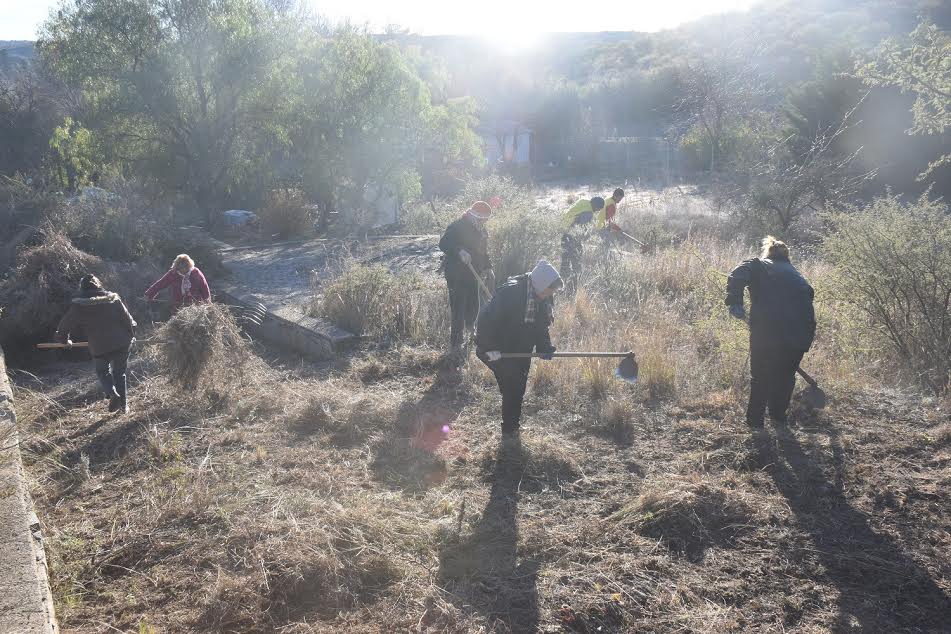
pixel 115 401
pixel 123 395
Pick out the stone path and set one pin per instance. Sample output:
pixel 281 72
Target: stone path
pixel 287 277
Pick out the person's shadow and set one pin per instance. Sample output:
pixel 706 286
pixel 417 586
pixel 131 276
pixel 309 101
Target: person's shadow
pixel 881 587
pixel 483 572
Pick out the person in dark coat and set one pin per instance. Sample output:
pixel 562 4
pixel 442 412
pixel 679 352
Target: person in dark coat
pixel 187 283
pixel 782 326
pixel 465 243
pixel 517 320
pixel 109 329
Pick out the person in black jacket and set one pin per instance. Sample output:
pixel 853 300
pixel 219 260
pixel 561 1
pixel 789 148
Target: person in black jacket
pixel 517 320
pixel 782 326
pixel 109 329
pixel 465 243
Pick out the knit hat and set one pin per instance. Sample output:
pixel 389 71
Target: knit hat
pixel 543 276
pixel 481 210
pixel 90 282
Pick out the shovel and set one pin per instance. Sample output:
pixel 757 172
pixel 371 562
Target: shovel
pixel 646 247
pixel 813 394
pixel 485 289
pixel 626 370
pixel 85 344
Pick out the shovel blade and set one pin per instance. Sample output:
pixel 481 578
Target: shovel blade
pixel 815 397
pixel 627 369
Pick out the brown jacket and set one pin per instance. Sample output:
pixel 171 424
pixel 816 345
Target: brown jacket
pixel 103 318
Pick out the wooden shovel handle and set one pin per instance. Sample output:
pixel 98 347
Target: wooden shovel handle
pixel 529 355
pixel 485 289
pixel 630 237
pixel 811 381
pixel 85 344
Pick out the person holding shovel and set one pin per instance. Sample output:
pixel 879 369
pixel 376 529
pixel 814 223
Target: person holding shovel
pixel 187 282
pixel 576 223
pixel 517 320
pixel 109 329
pixel 606 216
pixel 466 256
pixel 782 326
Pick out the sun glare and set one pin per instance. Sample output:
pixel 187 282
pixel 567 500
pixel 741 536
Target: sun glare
pixel 513 41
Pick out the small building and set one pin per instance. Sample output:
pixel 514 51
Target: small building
pixel 507 141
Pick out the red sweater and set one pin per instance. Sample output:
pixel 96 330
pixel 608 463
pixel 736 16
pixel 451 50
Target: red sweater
pixel 199 291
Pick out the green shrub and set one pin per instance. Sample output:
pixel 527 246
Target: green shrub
pixel 286 214
pixel 425 217
pixel 519 237
pixel 893 262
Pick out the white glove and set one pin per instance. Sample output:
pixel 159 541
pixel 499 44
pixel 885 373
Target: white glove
pixel 493 355
pixel 464 256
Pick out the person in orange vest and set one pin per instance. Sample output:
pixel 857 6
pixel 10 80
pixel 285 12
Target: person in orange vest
pixel 606 217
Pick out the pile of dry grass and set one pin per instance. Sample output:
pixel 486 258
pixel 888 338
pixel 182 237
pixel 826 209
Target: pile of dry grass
pixel 689 513
pixel 205 351
pixel 36 293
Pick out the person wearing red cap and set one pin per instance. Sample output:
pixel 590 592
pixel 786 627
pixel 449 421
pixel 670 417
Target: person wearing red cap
pixel 465 244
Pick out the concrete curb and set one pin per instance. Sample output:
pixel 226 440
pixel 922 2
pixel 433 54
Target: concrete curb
pixel 26 604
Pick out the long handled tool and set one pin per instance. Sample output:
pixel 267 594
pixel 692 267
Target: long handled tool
pixel 626 370
pixel 646 247
pixel 487 294
pixel 253 313
pixel 813 394
pixel 85 344
pixel 630 237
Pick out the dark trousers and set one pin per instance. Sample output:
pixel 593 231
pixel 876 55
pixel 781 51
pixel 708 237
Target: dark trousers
pixel 512 376
pixel 110 368
pixel 772 380
pixel 572 250
pixel 463 306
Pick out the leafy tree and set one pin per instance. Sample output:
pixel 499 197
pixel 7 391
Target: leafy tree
pixel 367 123
pixel 921 65
pixel 178 87
pixel 30 108
pixel 719 88
pixel 73 161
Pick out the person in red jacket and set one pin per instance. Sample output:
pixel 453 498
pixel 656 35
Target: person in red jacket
pixel 188 284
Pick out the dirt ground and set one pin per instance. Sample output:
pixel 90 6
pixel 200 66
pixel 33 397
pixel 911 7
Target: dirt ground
pixel 374 496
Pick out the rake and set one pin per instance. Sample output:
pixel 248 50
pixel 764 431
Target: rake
pixel 626 369
pixel 253 313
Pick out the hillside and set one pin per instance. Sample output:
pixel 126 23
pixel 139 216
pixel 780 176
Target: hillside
pixel 15 54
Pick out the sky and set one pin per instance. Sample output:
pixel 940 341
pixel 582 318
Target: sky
pixel 504 20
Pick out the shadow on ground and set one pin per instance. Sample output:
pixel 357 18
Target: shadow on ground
pixel 882 589
pixel 483 572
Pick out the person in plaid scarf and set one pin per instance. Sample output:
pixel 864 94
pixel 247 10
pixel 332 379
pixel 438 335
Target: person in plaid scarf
pixel 517 320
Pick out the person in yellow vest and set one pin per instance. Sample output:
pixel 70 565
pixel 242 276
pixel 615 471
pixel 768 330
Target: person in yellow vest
pixel 576 225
